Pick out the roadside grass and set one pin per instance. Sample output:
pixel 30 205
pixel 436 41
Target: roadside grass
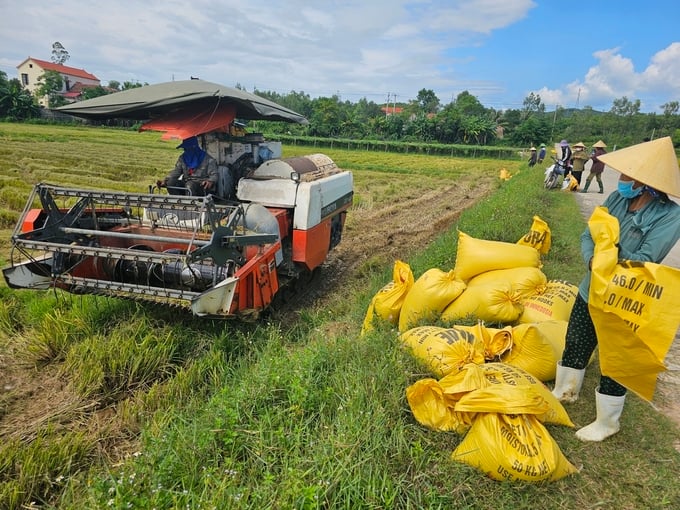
pixel 210 414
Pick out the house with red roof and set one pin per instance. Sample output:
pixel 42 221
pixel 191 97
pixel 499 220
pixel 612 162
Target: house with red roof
pixel 391 110
pixel 75 80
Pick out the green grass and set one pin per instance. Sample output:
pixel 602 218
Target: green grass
pixel 206 414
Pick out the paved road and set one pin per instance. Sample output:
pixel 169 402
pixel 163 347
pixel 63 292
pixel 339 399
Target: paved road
pixel 667 398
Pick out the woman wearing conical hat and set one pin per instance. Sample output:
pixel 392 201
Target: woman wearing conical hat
pixel 649 224
pixel 578 161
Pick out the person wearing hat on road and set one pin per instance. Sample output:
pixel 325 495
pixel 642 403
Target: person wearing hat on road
pixel 578 161
pixel 649 224
pixel 541 153
pixel 597 168
pixel 532 156
pixel 195 171
pixel 565 154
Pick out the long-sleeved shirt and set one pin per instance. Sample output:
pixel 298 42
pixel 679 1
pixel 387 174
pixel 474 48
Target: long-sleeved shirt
pixel 578 159
pixel 598 166
pixel 645 235
pixel 206 170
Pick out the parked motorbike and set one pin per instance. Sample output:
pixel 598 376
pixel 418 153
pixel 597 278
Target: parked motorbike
pixel 553 173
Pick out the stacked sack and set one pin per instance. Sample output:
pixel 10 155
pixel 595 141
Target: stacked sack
pixel 501 411
pixel 494 282
pixel 489 380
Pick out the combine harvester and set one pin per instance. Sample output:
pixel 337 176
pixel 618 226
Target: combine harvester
pixel 270 223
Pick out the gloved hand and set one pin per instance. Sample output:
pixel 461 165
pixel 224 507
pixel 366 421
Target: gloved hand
pixel 161 184
pixel 206 185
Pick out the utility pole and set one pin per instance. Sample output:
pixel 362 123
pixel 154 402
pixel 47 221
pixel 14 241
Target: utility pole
pixel 552 130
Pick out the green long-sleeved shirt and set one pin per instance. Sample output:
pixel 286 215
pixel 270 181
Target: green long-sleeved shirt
pixel 646 235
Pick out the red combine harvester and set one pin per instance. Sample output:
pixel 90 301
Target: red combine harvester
pixel 270 222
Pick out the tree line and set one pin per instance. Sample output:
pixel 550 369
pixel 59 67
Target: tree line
pixel 463 121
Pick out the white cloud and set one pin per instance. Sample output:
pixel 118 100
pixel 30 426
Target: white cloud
pixel 614 76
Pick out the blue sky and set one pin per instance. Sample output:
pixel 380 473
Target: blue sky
pixel 571 53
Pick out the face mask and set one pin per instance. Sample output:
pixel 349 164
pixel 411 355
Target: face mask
pixel 626 190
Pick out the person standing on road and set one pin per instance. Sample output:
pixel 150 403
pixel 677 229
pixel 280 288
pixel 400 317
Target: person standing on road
pixel 565 157
pixel 578 161
pixel 599 148
pixel 649 224
pixel 532 157
pixel 541 154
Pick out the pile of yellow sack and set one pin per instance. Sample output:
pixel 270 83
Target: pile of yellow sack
pixel 501 410
pixel 493 282
pixel 498 283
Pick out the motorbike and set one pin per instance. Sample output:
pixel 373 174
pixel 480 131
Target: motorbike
pixel 553 173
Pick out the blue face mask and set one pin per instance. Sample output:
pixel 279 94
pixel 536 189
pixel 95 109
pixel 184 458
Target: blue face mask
pixel 626 189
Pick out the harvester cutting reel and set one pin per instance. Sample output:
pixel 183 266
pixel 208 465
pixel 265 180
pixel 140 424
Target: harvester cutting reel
pixel 160 248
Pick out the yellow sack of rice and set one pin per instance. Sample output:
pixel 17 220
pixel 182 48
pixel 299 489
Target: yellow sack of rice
pixel 533 351
pixel 387 303
pixel 555 303
pixel 504 374
pixel 538 237
pixel 504 399
pixel 476 256
pixel 442 350
pixel 555 332
pixel 512 447
pixel 428 296
pixel 525 281
pixel 495 341
pixel 489 303
pixel 434 409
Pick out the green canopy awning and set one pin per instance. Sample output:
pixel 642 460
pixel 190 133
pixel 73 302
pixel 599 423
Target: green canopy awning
pixel 154 101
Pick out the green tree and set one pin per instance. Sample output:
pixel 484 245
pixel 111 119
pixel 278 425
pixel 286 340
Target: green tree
pixel 532 104
pixel 91 92
pixel 467 104
pixel 625 107
pixel 131 85
pixel 16 103
pixel 114 84
pixel 448 124
pixel 325 119
pixel 50 84
pixel 59 53
pixel 532 131
pixel 670 108
pixel 427 101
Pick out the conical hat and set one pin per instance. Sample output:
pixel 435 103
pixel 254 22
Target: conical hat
pixel 579 144
pixel 652 163
pixel 600 143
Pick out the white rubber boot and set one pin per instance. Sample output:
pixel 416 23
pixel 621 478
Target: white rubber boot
pixel 609 410
pixel 568 382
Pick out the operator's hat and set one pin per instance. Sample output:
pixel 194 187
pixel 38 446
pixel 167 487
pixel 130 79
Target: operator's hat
pixel 564 143
pixel 652 163
pixel 533 149
pixel 600 144
pixel 192 141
